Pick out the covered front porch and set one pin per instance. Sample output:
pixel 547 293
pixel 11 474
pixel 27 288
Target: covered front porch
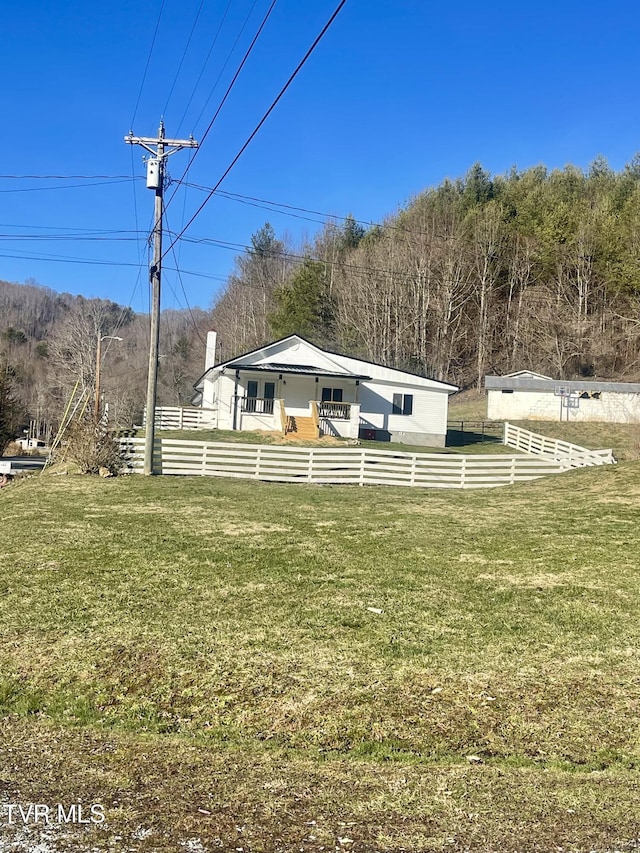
pixel 298 402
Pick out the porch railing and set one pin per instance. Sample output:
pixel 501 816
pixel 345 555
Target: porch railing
pixel 315 417
pixel 257 405
pixel 335 411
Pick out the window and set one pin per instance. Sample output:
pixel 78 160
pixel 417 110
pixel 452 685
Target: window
pixel 331 395
pixel 402 404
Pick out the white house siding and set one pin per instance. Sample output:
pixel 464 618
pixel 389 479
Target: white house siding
pixel 612 407
pixel 251 422
pixel 297 394
pixel 224 388
pixel 285 352
pixel 426 426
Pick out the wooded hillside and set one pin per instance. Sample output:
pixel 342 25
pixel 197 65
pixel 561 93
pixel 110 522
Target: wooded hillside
pixel 532 269
pixel 48 343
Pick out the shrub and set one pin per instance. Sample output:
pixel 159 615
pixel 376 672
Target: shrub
pixel 92 447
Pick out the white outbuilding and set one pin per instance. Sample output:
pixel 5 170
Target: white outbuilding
pixel 294 387
pixel 532 396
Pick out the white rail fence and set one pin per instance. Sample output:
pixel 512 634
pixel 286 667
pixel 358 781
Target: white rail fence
pixel 183 417
pixel 338 465
pixel 569 455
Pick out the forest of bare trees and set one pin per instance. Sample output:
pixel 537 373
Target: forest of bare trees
pixel 532 269
pixel 536 269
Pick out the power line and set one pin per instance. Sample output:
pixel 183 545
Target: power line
pixel 227 93
pixel 264 117
pixel 64 177
pixel 89 235
pixel 64 259
pixel 184 53
pixel 186 298
pixel 146 67
pixel 206 62
pixel 68 186
pixel 68 228
pixel 274 207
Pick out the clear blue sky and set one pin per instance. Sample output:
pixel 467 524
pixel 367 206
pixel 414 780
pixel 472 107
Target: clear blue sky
pixel 398 96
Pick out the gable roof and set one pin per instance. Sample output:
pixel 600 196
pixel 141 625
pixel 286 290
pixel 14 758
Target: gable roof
pixel 527 374
pixel 297 354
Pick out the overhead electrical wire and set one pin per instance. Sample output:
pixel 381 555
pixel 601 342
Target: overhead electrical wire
pixel 64 259
pixel 97 231
pixel 184 53
pixel 186 298
pixel 262 120
pixel 66 186
pixel 226 62
pixel 226 94
pixel 275 207
pixel 206 61
pixel 64 177
pixel 146 67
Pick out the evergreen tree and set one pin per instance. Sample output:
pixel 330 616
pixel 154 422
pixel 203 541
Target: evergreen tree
pixel 302 304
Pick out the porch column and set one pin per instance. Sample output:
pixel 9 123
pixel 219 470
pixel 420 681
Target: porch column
pixel 354 420
pixel 235 401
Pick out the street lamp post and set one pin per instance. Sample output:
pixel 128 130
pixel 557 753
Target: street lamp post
pixel 96 405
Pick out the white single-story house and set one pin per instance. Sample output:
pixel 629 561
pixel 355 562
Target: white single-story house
pixel 295 387
pixel 532 396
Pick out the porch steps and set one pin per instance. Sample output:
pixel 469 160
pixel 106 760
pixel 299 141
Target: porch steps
pixel 304 429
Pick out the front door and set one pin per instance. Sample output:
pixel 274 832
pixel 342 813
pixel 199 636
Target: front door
pixel 269 394
pixel 252 393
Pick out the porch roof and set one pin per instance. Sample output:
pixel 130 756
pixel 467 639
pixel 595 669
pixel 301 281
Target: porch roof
pixel 299 369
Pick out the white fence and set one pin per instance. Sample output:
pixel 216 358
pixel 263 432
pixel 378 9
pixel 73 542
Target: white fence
pixel 338 465
pixel 569 455
pixel 183 417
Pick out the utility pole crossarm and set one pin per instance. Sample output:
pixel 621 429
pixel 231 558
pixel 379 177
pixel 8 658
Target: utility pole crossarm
pixel 173 144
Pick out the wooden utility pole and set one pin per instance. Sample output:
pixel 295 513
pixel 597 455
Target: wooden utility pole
pixel 155 181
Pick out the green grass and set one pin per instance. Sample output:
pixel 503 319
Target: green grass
pixel 623 439
pixel 198 654
pixel 457 442
pixel 215 435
